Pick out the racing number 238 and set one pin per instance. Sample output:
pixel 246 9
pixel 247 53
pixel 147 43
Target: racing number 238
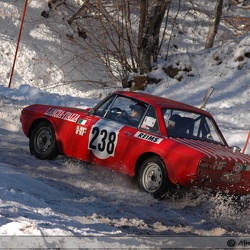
pixel 102 140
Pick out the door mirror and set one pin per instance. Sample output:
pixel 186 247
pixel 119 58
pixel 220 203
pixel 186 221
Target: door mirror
pixel 91 111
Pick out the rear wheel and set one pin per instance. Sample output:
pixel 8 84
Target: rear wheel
pixel 153 178
pixel 43 141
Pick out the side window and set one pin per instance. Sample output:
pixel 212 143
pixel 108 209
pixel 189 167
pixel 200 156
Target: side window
pixel 180 123
pixel 202 130
pixel 185 124
pixel 124 110
pixel 210 132
pixel 197 128
pixel 150 121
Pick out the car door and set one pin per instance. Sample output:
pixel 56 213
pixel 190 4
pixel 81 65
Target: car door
pixel 110 135
pixel 107 142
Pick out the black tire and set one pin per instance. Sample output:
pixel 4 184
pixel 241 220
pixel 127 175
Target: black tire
pixel 42 141
pixel 153 177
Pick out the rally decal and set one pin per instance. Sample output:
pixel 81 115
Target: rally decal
pixel 246 168
pixel 237 168
pixel 83 122
pixel 61 114
pixel 80 130
pixel 148 137
pixel 103 139
pixel 149 121
pixel 219 165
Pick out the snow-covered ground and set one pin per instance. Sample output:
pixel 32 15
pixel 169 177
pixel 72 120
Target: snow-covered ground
pixel 65 197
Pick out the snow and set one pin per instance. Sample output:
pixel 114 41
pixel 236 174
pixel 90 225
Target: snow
pixel 66 197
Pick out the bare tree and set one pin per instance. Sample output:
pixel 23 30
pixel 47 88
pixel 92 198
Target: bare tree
pixel 106 31
pixel 214 25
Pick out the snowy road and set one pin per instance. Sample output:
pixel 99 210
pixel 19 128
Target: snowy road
pixel 69 197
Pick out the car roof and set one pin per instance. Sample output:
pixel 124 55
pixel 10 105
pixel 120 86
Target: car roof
pixel 162 102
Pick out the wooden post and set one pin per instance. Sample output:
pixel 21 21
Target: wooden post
pixel 206 97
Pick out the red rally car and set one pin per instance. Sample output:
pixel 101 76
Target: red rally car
pixel 162 142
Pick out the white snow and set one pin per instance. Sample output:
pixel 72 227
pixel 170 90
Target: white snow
pixel 66 197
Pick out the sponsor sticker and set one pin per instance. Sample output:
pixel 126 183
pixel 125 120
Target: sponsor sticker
pixel 149 121
pixel 148 137
pixel 80 130
pixel 62 114
pixel 219 165
pixel 237 168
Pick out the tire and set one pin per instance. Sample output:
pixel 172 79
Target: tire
pixel 42 141
pixel 153 178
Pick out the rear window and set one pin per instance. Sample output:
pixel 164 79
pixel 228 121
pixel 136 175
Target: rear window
pixel 184 124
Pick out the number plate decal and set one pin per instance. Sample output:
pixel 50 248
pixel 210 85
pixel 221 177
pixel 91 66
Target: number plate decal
pixel 230 177
pixel 103 138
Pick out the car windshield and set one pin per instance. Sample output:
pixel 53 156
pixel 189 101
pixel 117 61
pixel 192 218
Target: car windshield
pixel 184 124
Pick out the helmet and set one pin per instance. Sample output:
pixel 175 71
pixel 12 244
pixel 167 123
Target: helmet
pixel 138 108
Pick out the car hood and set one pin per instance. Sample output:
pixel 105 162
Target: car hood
pixel 215 151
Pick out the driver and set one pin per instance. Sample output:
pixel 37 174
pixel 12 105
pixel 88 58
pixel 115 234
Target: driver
pixel 134 118
pixel 137 112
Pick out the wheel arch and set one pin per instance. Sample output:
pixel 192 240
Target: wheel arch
pixel 147 155
pixel 38 120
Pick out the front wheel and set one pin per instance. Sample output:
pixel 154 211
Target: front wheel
pixel 43 141
pixel 153 178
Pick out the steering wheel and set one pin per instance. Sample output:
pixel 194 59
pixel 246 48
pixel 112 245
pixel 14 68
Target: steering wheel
pixel 116 111
pixel 124 113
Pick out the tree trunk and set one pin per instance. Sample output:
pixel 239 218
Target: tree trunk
pixel 213 28
pixel 150 37
pixel 142 23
